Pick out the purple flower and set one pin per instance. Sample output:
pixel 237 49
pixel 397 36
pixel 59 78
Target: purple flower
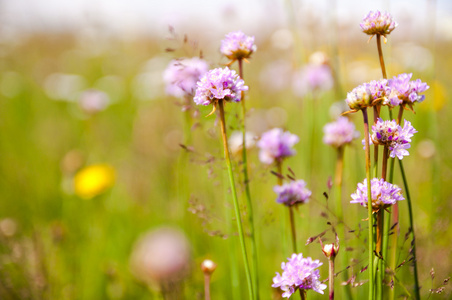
pixel 313 77
pixel 237 45
pixel 383 194
pixel 406 92
pixel 181 76
pixel 378 23
pixel 219 84
pixel 392 135
pixel 292 193
pixel 360 97
pixel 276 144
pixel 299 273
pixel 339 133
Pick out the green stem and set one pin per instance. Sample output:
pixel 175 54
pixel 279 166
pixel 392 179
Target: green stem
pixel 292 229
pixel 249 203
pixel 369 206
pixel 375 166
pixel 410 212
pixel 234 198
pixel 380 55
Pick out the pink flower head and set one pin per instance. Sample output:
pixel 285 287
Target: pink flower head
pixel 237 45
pixel 299 273
pixel 339 133
pixel 276 144
pixel 383 194
pixel 292 193
pixel 219 84
pixel 378 23
pixel 181 76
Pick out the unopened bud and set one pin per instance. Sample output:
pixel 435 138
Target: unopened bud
pixel 208 266
pixel 330 250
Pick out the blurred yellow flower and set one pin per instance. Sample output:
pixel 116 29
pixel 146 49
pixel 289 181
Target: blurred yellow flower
pixel 94 180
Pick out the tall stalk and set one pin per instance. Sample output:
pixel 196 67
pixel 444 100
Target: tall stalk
pixel 248 193
pixel 234 198
pixel 369 205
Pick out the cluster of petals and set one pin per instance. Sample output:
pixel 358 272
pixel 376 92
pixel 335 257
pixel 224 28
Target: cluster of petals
pixel 237 45
pixel 394 136
pixel 299 273
pixel 313 77
pixel 403 90
pixel 219 84
pixel 340 132
pixel 181 76
pixel 400 90
pixel 383 194
pixel 378 23
pixel 292 193
pixel 276 144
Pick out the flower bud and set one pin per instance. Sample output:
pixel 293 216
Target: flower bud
pixel 330 250
pixel 208 266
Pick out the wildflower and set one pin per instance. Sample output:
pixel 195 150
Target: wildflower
pixel 236 141
pixel 93 180
pixel 384 194
pixel 276 144
pixel 181 76
pixel 236 45
pixel 313 77
pixel 378 23
pixel 406 92
pixel 393 136
pixel 292 193
pixel 339 133
pixel 208 266
pixel 360 97
pixel 219 84
pixel 93 101
pixel 299 273
pixel 161 256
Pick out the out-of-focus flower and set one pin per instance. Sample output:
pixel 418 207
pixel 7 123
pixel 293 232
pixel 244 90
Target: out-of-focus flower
pixel 236 45
pixel 94 180
pixel 313 78
pixel 236 141
pixel 161 256
pixel 219 84
pixel 181 76
pixel 339 133
pixel 392 135
pixel 276 144
pixel 299 273
pixel 93 101
pixel 384 194
pixel 8 227
pixel 378 23
pixel 404 91
pixel 292 193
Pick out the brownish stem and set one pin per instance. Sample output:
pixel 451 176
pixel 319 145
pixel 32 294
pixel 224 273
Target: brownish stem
pixel 279 170
pixel 385 162
pixel 380 54
pixel 399 117
pixel 339 167
pixel 207 286
pixel 303 294
pixel 376 115
pixel 331 277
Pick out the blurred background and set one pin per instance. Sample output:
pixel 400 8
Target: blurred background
pixel 95 184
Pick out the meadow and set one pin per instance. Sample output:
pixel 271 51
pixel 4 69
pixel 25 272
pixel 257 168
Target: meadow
pixel 162 165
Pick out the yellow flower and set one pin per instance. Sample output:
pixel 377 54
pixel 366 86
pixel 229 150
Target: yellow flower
pixel 93 180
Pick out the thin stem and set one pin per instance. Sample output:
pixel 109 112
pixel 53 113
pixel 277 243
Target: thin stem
pixel 249 203
pixel 303 295
pixel 283 227
pixel 399 117
pixel 331 277
pixel 207 286
pixel 369 205
pixel 380 55
pixel 410 212
pixel 234 198
pixel 375 166
pixel 292 229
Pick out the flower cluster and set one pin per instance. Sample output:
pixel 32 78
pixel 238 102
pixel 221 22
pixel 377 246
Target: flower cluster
pixel 339 133
pixel 219 84
pixel 276 144
pixel 378 23
pixel 383 194
pixel 299 273
pixel 404 91
pixel 392 135
pixel 237 45
pixel 400 90
pixel 313 77
pixel 181 76
pixel 292 193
